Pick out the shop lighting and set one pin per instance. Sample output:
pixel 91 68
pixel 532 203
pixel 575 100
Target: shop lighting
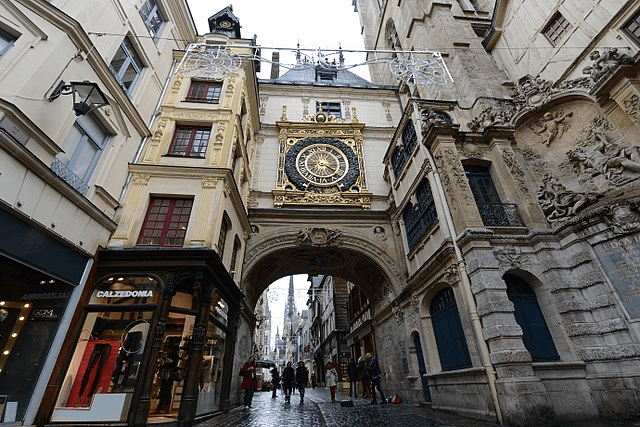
pixel 120 279
pixel 42 282
pixel 26 306
pixel 21 318
pixel 6 352
pixel 1 302
pixel 87 96
pixel 13 335
pixel 52 281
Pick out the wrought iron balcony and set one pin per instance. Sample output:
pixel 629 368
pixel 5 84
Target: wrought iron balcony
pixel 70 178
pixel 500 214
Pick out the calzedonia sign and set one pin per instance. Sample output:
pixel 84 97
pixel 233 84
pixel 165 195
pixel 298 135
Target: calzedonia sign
pixel 124 294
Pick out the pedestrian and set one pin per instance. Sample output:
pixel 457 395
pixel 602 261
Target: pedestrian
pixel 362 368
pixel 288 377
pixel 249 381
pixel 302 379
pixel 313 380
pixel 375 376
pixel 275 381
pixel 332 382
pixel 352 371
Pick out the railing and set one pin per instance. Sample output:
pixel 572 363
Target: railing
pixel 69 177
pixel 500 214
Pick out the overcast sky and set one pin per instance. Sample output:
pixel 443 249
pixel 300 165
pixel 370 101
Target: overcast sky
pixel 284 23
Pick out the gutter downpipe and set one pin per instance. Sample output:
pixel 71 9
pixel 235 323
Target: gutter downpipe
pixel 468 294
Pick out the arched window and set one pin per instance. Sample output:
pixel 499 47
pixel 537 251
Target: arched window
pixel 535 333
pixel 452 346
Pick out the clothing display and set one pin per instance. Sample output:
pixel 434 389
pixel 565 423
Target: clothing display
pixel 94 372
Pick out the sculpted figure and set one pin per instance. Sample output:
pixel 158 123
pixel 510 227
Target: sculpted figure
pixel 618 164
pixel 604 62
pixel 551 126
pixel 557 202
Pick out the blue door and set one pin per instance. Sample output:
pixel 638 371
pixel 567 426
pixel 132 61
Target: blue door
pixel 452 346
pixel 422 368
pixel 535 333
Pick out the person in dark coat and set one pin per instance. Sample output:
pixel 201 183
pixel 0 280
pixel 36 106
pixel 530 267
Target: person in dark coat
pixel 362 371
pixel 313 380
pixel 352 371
pixel 375 376
pixel 275 381
pixel 288 377
pixel 250 380
pixel 302 379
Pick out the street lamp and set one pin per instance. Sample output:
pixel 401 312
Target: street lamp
pixel 87 96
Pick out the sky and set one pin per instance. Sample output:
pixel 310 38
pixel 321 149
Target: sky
pixel 283 24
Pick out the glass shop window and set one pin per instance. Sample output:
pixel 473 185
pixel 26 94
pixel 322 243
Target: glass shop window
pixel 108 358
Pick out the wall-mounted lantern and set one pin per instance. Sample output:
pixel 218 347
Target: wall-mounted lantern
pixel 87 96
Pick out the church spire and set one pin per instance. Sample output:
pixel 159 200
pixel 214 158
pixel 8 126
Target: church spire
pixel 290 308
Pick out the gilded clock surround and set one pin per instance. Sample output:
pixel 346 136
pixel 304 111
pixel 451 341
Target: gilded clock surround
pixel 321 163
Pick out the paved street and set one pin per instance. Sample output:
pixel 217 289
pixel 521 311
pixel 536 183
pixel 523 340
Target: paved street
pixel 318 410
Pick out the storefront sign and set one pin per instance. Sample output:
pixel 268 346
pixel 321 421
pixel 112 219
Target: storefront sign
pixel 621 261
pixel 44 314
pixel 124 294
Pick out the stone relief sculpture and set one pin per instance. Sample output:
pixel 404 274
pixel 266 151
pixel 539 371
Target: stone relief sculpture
pixel 623 218
pixel 492 116
pixel 559 203
pixel 319 237
pixel 551 126
pixel 618 164
pixel 605 62
pixel 632 108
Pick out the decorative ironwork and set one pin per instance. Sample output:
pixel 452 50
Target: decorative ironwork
pixel 69 176
pixel 429 69
pixel 210 62
pixel 500 214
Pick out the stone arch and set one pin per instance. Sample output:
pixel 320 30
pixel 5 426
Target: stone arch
pixel 318 250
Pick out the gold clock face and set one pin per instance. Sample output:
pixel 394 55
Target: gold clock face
pixel 322 164
pixel 224 24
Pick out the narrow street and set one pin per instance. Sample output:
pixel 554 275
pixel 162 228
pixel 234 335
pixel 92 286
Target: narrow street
pixel 318 410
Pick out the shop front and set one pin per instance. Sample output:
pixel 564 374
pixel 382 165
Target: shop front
pixel 153 343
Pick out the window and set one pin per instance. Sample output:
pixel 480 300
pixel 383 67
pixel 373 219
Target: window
pixel 419 218
pixel 190 141
pixel 331 108
pixel 208 92
pixel 535 333
pixel 6 41
pixel 127 65
pixel 81 151
pixel 452 346
pixel 557 28
pixel 234 256
pixel 403 151
pixel 632 28
pixel 224 228
pixel 166 222
pixel 152 17
pixel 492 210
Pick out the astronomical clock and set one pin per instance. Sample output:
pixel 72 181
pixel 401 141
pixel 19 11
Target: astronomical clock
pixel 321 163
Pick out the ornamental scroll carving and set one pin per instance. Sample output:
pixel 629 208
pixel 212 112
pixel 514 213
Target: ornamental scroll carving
pixel 623 218
pixel 320 237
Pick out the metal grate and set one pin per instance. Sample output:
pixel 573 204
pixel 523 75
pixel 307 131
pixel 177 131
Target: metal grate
pixel 69 177
pixel 500 214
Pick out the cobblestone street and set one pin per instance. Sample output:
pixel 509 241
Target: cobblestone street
pixel 318 410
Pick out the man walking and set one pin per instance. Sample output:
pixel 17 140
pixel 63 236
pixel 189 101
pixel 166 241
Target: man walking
pixel 275 381
pixel 288 377
pixel 302 379
pixel 352 371
pixel 375 376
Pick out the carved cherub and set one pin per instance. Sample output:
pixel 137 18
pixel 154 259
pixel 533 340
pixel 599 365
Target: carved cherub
pixel 551 126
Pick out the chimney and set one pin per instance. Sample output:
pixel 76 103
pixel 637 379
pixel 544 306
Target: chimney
pixel 275 65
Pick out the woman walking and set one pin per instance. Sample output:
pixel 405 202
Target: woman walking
pixel 250 381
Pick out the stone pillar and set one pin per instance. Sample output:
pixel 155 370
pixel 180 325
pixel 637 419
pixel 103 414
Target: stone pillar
pixel 128 218
pixel 227 360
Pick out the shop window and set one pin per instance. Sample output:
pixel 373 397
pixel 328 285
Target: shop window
pixel 556 29
pixel 152 17
pixel 107 361
pixel 535 333
pixel 452 346
pixel 330 108
pixel 403 150
pixel 632 28
pixel 190 141
pixel 207 92
pixel 419 217
pixel 166 222
pixel 81 151
pixel 126 65
pixel 6 41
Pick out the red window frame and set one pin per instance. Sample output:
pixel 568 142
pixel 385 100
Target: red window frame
pixel 207 92
pixel 165 223
pixel 190 141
